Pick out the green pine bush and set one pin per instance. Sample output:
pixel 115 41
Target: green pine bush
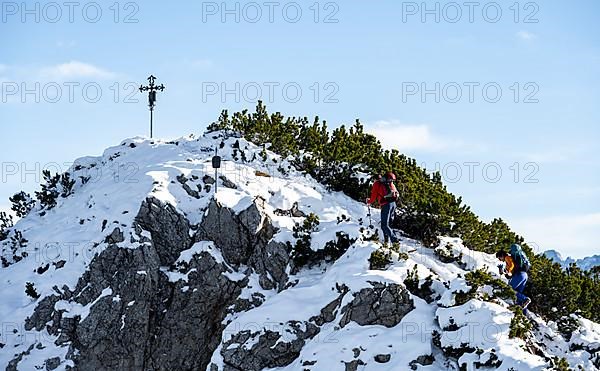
pixel 6 222
pixel 22 203
pixel 426 209
pixel 49 193
pixel 560 364
pixel 520 326
pixel 302 232
pixel 55 185
pixel 380 259
pixel 479 278
pixel 424 290
pixel 31 291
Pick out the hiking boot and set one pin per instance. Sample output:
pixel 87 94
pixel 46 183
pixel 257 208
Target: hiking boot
pixel 386 241
pixel 526 304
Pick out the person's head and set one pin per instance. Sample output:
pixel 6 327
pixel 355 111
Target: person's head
pixel 501 255
pixel 388 177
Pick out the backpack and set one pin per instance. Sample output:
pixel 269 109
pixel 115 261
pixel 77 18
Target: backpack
pixel 521 261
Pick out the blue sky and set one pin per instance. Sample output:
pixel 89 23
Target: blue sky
pixel 362 58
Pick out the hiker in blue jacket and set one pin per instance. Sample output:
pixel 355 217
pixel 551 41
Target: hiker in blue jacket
pixel 516 265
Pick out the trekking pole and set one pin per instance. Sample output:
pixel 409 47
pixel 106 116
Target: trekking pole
pixel 369 215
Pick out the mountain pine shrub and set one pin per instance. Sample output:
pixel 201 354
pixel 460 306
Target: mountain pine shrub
pixel 22 203
pixel 423 291
pixel 479 278
pixel 55 185
pixel 303 252
pixel 519 324
pixel 31 291
pixel 6 222
pixel 49 193
pixel 426 209
pixel 380 259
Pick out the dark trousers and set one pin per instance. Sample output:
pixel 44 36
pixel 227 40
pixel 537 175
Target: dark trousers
pixel 518 282
pixel 387 213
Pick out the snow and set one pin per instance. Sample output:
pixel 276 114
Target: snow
pixel 456 286
pixel 587 333
pixel 199 247
pixel 177 276
pixel 586 263
pixel 73 309
pixel 122 177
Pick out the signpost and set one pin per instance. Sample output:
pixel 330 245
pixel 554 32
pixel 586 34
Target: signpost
pixel 216 164
pixel 151 89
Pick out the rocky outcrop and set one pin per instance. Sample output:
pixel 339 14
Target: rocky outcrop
pixel 115 237
pixel 140 318
pixel 329 312
pixel 424 360
pixel 270 262
pixel 294 212
pixel 43 313
pixel 276 348
pixel 227 183
pixel 270 349
pixel 383 358
pixel 236 234
pixel 353 365
pixel 13 365
pixel 182 179
pixel 382 304
pixel 150 322
pixel 169 229
pixel 52 363
pixel 142 309
pixel 245 238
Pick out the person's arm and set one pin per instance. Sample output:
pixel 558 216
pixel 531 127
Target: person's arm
pixel 373 194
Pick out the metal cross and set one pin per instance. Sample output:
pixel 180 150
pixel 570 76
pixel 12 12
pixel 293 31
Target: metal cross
pixel 151 89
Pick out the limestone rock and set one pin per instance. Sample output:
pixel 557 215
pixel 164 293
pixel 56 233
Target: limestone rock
pixel 382 304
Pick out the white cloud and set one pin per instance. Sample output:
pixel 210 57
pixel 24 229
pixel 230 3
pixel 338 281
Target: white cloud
pixel 403 137
pixel 572 235
pixel 527 36
pixel 75 69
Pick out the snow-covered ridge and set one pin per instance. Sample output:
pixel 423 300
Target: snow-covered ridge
pixel 314 323
pixel 586 263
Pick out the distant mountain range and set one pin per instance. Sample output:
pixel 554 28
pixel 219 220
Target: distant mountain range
pixel 586 263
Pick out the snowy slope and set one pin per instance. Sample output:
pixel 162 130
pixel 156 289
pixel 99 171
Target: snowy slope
pixel 65 240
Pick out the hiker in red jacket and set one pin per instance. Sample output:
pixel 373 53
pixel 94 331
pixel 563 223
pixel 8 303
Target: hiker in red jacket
pixel 385 193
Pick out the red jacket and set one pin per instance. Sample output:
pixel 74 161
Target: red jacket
pixel 379 191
